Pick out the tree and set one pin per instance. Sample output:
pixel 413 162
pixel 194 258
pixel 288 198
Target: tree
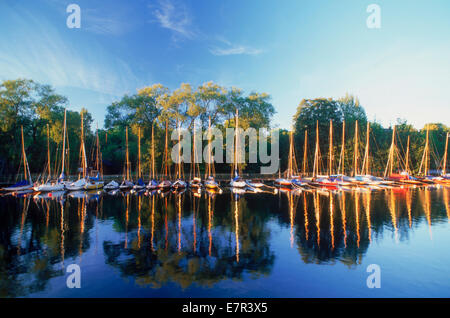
pixel 31 105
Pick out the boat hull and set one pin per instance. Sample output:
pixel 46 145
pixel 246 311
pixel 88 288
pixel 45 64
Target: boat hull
pixel 49 187
pixel 94 186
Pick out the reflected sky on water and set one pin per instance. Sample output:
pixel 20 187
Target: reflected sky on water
pixel 292 244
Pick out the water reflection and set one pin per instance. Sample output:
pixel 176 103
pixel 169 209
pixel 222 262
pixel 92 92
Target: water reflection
pixel 201 238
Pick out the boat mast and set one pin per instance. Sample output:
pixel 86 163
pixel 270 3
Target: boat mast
pixel 390 163
pixel 126 154
pixel 153 151
pixel 64 145
pixel 330 151
pixel 209 148
pixel 139 152
pixel 83 150
pixel 48 153
pixel 365 167
pixel 97 152
pixel 179 152
pixel 165 150
pixel 290 166
pixel 236 144
pixel 305 152
pixel 407 157
pixel 342 156
pixel 424 163
pixel 316 152
pixel 24 155
pixel 356 152
pixel 444 168
pixel 427 151
pixel 193 157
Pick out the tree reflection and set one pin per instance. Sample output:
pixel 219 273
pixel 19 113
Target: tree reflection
pixel 202 238
pixel 200 249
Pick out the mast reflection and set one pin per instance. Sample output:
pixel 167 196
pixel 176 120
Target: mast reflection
pixel 344 219
pixel 149 240
pixel 392 210
pixel 367 208
pixel 236 220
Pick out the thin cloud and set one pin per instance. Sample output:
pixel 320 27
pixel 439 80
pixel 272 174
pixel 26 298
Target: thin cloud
pixel 234 49
pixel 46 56
pixel 175 18
pixel 105 26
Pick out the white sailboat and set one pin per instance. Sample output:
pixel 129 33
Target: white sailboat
pixel 364 177
pixel 237 181
pixel 165 184
pixel 112 185
pixel 179 182
pixel 126 183
pixel 210 182
pixel 49 185
pixel 196 181
pixel 80 183
pixel 140 185
pixel 27 182
pixel 153 184
pixel 95 182
pixel 444 178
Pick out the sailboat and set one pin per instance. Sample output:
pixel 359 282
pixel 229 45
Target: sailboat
pixel 364 177
pixel 80 183
pixel 410 180
pixel 94 182
pixel 444 178
pixel 237 181
pixel 126 183
pixel 444 169
pixel 342 180
pixel 196 181
pixel 50 185
pixel 112 186
pixel 166 184
pixel 153 184
pixel 318 179
pixel 210 182
pixel 179 182
pixel 139 183
pixel 292 178
pixel 27 182
pixel 286 182
pixel 402 177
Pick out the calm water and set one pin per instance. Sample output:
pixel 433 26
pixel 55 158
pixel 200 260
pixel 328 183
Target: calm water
pixel 261 245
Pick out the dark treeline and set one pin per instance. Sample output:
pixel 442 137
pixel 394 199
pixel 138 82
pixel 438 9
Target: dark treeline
pixel 36 106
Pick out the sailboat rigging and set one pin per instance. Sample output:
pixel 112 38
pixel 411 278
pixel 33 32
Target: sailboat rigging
pixel 81 182
pixel 27 182
pixel 237 182
pixel 152 184
pixel 126 183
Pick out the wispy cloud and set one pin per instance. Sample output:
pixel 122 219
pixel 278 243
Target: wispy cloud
pixel 234 49
pixel 46 56
pixel 104 25
pixel 175 17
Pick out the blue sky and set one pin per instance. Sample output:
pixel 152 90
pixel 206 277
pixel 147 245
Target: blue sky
pixel 289 49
